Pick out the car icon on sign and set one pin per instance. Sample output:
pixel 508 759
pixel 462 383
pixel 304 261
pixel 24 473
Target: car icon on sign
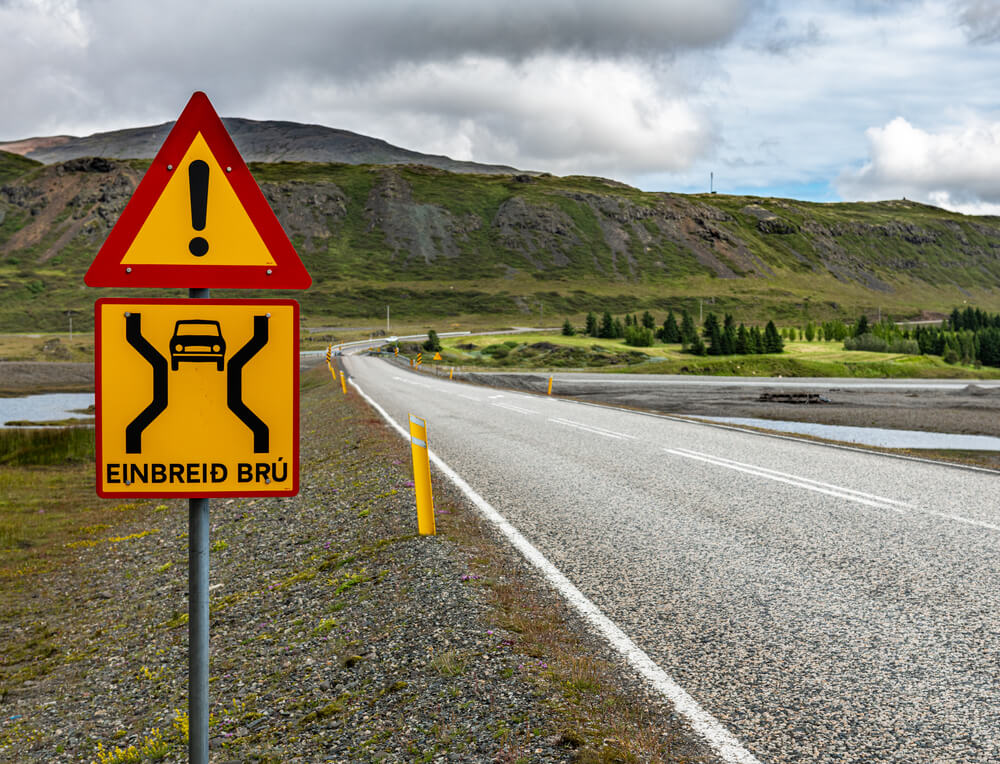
pixel 197 340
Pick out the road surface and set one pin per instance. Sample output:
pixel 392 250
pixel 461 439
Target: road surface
pixel 824 604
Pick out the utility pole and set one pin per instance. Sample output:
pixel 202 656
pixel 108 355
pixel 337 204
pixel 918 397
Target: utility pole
pixel 387 320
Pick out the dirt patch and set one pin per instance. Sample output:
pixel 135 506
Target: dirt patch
pixel 30 377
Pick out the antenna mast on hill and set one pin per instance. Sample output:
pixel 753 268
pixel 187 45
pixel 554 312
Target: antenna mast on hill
pixel 711 183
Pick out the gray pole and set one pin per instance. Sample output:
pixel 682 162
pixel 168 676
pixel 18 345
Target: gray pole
pixel 198 619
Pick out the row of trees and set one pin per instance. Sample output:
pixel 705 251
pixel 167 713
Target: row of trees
pixel 967 336
pixel 715 338
pixel 980 345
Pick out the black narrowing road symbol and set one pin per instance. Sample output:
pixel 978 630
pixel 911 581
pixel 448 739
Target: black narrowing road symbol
pixel 133 432
pixel 234 385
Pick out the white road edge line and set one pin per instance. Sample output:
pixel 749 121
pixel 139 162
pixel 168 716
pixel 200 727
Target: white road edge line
pixel 720 740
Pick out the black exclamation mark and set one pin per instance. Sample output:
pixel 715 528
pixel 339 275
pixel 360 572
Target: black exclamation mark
pixel 198 180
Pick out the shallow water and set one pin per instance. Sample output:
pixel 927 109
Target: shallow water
pixel 871 436
pixel 45 407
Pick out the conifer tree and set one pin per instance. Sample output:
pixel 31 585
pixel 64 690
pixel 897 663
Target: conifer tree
pixel 617 329
pixel 862 326
pixel 670 331
pixel 772 340
pixel 568 330
pixel 607 326
pixel 648 321
pixel 688 332
pixel 591 325
pixel 742 340
pixel 433 344
pixel 713 334
pixel 727 345
pixel 697 345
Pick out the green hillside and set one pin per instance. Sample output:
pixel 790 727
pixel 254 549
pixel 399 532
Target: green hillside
pixel 441 246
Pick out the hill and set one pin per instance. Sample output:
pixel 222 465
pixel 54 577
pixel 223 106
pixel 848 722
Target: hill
pixel 267 141
pixel 436 245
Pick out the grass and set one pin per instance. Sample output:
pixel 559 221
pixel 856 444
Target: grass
pixel 800 359
pixel 49 446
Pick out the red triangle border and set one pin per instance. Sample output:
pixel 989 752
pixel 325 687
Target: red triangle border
pixel 198 116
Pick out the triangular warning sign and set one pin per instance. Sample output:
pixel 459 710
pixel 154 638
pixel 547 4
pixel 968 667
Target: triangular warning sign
pixel 198 219
pixel 437 357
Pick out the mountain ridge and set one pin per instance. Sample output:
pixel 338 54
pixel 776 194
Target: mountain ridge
pixel 433 243
pixel 257 141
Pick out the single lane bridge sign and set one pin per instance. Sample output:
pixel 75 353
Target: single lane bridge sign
pixel 197 398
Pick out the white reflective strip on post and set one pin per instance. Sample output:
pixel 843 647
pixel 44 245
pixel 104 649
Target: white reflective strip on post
pixel 418 442
pixel 417 421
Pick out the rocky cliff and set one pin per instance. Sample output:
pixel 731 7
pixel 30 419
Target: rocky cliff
pixel 384 225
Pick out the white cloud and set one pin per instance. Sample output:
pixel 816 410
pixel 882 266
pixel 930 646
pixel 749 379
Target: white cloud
pixel 553 112
pixel 956 167
pixel 980 19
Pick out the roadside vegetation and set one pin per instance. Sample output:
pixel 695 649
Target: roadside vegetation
pixel 967 345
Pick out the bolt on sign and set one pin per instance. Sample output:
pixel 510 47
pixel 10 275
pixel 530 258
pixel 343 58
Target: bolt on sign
pixel 197 398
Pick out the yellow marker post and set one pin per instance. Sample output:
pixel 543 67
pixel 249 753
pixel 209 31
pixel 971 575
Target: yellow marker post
pixel 451 373
pixel 422 476
pixel 550 387
pixel 343 383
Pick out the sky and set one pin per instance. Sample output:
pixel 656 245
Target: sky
pixel 823 100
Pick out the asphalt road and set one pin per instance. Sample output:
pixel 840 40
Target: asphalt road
pixel 824 604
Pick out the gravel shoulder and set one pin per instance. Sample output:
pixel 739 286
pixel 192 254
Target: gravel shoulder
pixel 337 634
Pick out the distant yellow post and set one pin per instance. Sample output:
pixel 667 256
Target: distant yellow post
pixel 422 476
pixel 451 373
pixel 343 383
pixel 550 386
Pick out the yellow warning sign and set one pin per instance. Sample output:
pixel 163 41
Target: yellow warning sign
pixel 197 213
pixel 437 356
pixel 197 398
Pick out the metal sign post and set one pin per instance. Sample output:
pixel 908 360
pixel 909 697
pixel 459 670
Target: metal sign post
pixel 198 528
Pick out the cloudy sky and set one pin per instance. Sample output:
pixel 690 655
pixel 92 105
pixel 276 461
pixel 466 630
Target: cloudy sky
pixel 817 99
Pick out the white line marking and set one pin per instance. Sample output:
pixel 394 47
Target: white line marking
pixel 723 461
pixel 469 398
pixel 491 397
pixel 593 429
pixel 720 740
pixel 868 499
pixel 518 409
